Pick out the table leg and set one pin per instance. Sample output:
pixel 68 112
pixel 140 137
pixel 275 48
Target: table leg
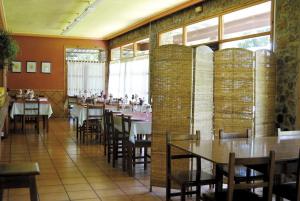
pixel 219 179
pixel 76 119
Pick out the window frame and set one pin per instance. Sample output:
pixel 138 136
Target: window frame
pixel 221 27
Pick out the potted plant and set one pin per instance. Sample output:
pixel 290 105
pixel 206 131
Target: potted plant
pixel 8 48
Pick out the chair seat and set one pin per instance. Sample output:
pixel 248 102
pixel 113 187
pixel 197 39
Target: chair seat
pixel 241 173
pixel 19 169
pixel 141 143
pixel 238 195
pixel 189 177
pixel 286 190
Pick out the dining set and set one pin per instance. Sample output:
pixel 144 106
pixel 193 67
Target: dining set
pixel 246 163
pixel 125 133
pixel 31 111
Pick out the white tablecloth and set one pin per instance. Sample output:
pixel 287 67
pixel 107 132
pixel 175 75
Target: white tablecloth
pixel 137 127
pixel 18 109
pixel 80 112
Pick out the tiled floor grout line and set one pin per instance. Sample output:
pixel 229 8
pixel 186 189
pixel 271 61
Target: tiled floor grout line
pixel 77 167
pixel 57 173
pixel 72 137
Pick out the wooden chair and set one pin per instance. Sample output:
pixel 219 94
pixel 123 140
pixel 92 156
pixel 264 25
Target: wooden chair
pixel 19 176
pixel 289 190
pixel 241 191
pixel 131 144
pixel 92 126
pixel 188 178
pixel 242 173
pixel 117 143
pixel 108 133
pixel 72 100
pixel 31 114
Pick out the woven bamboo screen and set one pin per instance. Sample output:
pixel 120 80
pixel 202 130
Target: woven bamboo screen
pixel 171 89
pixel 265 93
pixel 203 91
pixel 233 90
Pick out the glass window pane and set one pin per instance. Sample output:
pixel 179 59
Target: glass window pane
pixel 127 51
pixel 115 54
pixel 263 42
pixel 172 37
pixel 252 20
pixel 202 32
pixel 142 47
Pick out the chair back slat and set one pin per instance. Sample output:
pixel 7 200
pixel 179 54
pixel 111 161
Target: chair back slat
pixel 233 135
pixel 181 137
pixel 31 108
pixel 126 125
pixel 269 162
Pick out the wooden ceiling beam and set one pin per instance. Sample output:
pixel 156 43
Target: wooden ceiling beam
pixel 153 18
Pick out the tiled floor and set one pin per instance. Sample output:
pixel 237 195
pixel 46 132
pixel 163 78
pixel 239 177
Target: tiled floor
pixel 73 172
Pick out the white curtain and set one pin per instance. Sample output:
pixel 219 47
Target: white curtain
pixel 129 77
pixel 85 76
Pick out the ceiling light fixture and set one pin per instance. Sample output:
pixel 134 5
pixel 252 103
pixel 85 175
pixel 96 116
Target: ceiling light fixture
pixel 91 7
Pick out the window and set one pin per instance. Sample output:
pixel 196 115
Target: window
pixel 252 20
pixel 130 73
pixel 127 51
pixel 115 54
pixel 172 37
pixel 263 42
pixel 202 32
pixel 130 76
pixel 86 71
pixel 142 47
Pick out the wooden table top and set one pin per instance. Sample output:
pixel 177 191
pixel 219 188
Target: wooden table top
pixel 217 151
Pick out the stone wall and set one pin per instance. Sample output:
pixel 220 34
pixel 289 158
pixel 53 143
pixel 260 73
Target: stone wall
pixel 287 47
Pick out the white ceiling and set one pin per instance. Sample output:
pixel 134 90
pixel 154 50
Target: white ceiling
pixel 50 17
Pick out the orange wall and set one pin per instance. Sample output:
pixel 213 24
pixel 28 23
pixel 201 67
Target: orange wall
pixel 45 49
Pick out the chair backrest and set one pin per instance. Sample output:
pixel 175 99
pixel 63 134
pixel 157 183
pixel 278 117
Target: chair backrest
pixel 233 135
pixel 268 162
pixel 31 107
pixel 109 122
pixel 72 99
pixel 282 133
pixel 126 125
pixel 180 137
pixel 95 111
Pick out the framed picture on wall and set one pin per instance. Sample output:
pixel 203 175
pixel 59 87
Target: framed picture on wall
pixel 16 67
pixel 31 67
pixel 46 67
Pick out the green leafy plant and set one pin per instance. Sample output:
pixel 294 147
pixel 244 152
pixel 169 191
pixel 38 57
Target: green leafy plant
pixel 8 48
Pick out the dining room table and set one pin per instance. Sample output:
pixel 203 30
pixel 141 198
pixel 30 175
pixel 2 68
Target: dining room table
pixel 141 123
pixel 45 110
pixel 217 150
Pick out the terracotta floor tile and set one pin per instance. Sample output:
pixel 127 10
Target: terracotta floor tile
pixel 82 194
pixel 77 187
pixel 54 196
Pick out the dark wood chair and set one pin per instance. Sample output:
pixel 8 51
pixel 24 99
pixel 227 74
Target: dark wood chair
pixel 108 133
pixel 31 114
pixel 72 100
pixel 289 190
pixel 242 173
pixel 185 178
pixel 241 191
pixel 132 143
pixel 19 176
pixel 92 126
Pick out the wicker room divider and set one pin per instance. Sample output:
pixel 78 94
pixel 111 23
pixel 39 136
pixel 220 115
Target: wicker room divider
pixel 171 90
pixel 233 90
pixel 203 102
pixel 265 91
